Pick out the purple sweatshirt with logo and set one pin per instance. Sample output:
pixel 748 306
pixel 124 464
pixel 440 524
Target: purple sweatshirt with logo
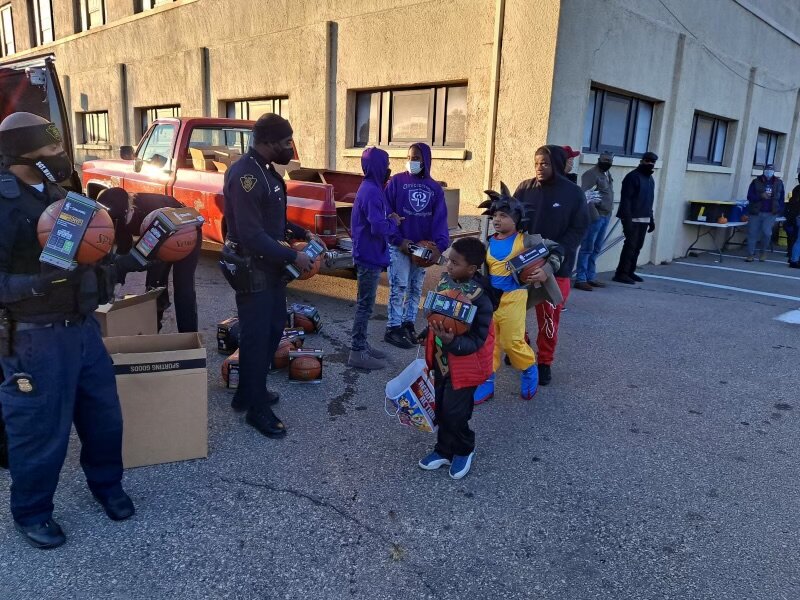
pixel 420 200
pixel 370 225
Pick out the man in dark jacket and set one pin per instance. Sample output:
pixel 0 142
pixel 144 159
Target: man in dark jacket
pixel 792 226
pixel 555 209
pixel 636 214
pixel 765 202
pixel 371 225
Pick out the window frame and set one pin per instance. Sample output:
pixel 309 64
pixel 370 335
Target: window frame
pixel 147 115
pixel 92 116
pixel 145 5
pixel 381 116
pixel 596 107
pixel 4 43
pixel 231 107
pixel 39 32
pixel 83 15
pixel 716 123
pixel 778 140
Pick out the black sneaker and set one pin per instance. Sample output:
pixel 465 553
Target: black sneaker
pixel 398 336
pixel 636 278
pixel 42 535
pixel 622 278
pixel 544 374
pixel 410 333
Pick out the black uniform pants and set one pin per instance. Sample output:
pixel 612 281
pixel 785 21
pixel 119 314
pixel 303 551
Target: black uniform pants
pixel 182 286
pixel 634 240
pixel 262 318
pixel 453 412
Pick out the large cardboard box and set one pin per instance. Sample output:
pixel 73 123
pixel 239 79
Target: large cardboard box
pixel 134 315
pixel 163 389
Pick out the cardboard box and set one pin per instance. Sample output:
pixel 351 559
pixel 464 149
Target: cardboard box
pixel 163 389
pixel 134 315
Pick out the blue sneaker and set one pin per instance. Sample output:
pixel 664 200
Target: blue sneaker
pixel 484 391
pixel 529 382
pixel 433 461
pixel 461 465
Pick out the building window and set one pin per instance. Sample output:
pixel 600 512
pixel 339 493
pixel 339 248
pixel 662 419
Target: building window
pixel 435 115
pixel 766 147
pixel 95 128
pixel 617 123
pixel 92 14
pixel 250 110
pixel 709 135
pixel 43 17
pixel 6 31
pixel 148 4
pixel 148 115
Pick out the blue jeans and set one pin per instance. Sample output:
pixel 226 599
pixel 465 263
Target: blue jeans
pixel 368 278
pixel 405 288
pixel 796 247
pixel 590 248
pixel 759 227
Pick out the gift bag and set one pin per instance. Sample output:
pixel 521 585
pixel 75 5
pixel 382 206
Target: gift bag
pixel 413 397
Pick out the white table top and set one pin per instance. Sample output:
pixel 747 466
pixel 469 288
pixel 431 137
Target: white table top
pixel 715 224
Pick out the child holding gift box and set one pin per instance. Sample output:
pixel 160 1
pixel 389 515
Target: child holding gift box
pixel 459 362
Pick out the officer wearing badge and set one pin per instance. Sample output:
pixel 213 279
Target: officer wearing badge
pixel 257 241
pixel 57 370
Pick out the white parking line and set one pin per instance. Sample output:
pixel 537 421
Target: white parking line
pixel 777 262
pixel 793 317
pixel 722 287
pixel 677 262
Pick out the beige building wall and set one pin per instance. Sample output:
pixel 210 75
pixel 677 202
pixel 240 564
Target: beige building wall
pixel 541 56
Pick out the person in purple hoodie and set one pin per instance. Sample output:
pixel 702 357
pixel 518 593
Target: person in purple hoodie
pixel 419 200
pixel 371 225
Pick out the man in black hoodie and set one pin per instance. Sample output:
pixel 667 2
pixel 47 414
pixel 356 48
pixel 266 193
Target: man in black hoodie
pixel 636 214
pixel 555 208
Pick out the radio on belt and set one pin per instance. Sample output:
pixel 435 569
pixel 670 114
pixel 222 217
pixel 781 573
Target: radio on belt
pixel 313 249
pixel 167 222
pixel 67 234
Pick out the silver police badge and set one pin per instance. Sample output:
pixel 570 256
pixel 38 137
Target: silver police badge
pixel 24 385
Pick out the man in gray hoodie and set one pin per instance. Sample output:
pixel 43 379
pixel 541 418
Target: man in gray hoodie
pixel 598 185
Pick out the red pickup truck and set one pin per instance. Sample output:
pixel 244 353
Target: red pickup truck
pixel 186 158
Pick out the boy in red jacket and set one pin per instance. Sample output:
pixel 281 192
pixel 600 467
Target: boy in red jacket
pixel 460 363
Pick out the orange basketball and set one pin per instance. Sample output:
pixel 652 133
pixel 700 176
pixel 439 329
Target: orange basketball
pixel 226 365
pixel 177 246
pixel 305 368
pixel 281 358
pixel 449 323
pixel 425 263
pixel 526 272
pixel 97 242
pixel 304 323
pixel 316 265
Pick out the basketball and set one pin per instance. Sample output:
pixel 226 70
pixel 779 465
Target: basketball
pixel 226 365
pixel 97 242
pixel 177 246
pixel 315 266
pixel 526 272
pixel 281 358
pixel 304 323
pixel 449 323
pixel 425 263
pixel 305 368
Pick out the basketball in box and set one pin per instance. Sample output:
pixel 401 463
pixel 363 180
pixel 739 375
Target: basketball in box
pixel 163 224
pixel 67 229
pixel 450 306
pixel 228 336
pixel 531 258
pixel 305 365
pixel 306 317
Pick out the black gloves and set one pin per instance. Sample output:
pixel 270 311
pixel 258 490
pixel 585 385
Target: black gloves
pixel 652 226
pixel 52 277
pixel 127 263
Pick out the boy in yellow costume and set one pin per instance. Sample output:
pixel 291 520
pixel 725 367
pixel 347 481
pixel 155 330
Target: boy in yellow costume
pixel 506 243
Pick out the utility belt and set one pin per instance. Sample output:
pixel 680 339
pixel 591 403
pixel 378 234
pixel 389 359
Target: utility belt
pixel 9 327
pixel 239 269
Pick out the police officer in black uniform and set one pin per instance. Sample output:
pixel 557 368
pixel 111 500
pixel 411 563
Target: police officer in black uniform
pixel 57 370
pixel 128 211
pixel 258 232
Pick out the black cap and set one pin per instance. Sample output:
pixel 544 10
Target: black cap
pixel 650 156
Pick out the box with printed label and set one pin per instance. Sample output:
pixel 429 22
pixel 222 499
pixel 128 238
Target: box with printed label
pixel 163 390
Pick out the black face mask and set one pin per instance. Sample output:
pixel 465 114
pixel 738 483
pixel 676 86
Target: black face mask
pixel 54 168
pixel 647 169
pixel 604 166
pixel 387 176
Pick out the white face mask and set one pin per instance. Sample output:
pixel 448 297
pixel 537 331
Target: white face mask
pixel 414 167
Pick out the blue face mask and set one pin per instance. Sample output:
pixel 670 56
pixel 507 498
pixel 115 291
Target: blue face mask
pixel 769 173
pixel 414 167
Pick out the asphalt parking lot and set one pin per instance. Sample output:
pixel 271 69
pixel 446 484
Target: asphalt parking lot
pixel 662 463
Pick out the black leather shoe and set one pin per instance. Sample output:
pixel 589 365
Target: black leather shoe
pixel 42 535
pixel 397 336
pixel 545 376
pixel 265 422
pixel 636 278
pixel 597 284
pixel 118 508
pixel 621 279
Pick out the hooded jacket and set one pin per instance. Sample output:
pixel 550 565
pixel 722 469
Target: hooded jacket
pixel 757 204
pixel 370 225
pixel 556 209
pixel 636 196
pixel 420 200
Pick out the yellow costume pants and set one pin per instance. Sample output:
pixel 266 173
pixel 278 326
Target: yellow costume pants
pixel 509 328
